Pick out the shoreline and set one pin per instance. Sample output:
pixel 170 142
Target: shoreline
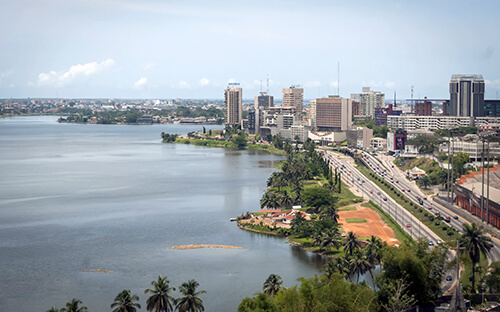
pixel 198 246
pixel 229 145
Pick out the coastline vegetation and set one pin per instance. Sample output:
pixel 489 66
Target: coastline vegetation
pixel 160 299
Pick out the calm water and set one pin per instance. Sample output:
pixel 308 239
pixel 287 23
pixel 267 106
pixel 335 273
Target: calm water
pixel 77 197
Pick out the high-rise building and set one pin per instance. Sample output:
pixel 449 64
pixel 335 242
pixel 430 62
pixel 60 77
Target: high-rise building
pixel 312 112
pixel 333 113
pixel 423 108
pixel 467 95
pixel 381 114
pixel 232 104
pixel 263 101
pixel 293 97
pixel 368 100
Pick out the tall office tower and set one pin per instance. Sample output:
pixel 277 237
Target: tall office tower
pixel 368 100
pixel 232 104
pixel 333 114
pixel 293 97
pixel 263 101
pixel 312 112
pixel 467 95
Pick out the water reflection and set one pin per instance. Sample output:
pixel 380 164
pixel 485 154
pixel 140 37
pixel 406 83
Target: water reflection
pixel 311 258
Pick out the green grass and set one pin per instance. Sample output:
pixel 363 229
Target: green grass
pixel 306 243
pixel 227 144
pixel 415 209
pixel 355 220
pixel 350 208
pixel 346 197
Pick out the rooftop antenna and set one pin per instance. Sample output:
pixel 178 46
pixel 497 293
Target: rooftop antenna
pixel 338 78
pixel 267 83
pixel 411 104
pixel 261 86
pixel 394 99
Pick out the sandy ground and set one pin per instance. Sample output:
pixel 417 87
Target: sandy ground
pixel 374 225
pixel 195 246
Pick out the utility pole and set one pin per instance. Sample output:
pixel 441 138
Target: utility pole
pixel 457 300
pixel 488 187
pixel 482 181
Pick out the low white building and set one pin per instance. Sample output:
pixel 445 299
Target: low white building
pixel 327 137
pixel 378 144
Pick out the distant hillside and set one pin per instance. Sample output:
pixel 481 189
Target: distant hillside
pixel 430 166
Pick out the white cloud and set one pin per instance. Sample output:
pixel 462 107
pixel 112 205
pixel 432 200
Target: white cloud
pixel 140 83
pixel 312 84
pixel 181 85
pixel 60 79
pixel 204 81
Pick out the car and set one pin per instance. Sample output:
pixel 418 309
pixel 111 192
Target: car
pixel 363 181
pixel 371 192
pixel 359 179
pixel 430 207
pixel 409 190
pixel 491 245
pixel 392 166
pixel 447 219
pixel 431 243
pixel 449 278
pixel 439 241
pixel 343 235
pixel 402 190
pixel 416 196
pixel 425 198
pixel 437 213
pixel 408 225
pixel 455 217
pixel 378 193
pixel 385 198
pixel 397 181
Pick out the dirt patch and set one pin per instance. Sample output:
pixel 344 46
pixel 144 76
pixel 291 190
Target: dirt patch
pixel 196 246
pixel 374 224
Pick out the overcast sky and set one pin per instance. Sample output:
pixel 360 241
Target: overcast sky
pixel 192 49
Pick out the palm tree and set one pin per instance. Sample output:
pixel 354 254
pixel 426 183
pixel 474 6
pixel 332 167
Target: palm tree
pixel 475 243
pixel 73 306
pixel 359 264
pixel 272 284
pixel 351 243
pixel 53 309
pixel 286 200
pixel 317 239
pixel 269 200
pixel 124 302
pixel 424 182
pixel 190 302
pixel 328 212
pixel 160 300
pixel 331 238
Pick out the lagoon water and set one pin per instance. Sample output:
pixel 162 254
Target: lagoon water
pixel 113 197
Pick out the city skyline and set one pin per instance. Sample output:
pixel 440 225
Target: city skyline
pixel 152 49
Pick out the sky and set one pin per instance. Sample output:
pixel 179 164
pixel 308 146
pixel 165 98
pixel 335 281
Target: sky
pixel 192 49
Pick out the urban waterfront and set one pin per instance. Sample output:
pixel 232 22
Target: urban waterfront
pixel 113 197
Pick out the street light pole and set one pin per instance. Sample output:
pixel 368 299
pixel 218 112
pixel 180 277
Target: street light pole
pixel 488 187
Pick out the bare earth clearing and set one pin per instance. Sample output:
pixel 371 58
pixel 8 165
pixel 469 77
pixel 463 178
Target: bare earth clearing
pixel 374 225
